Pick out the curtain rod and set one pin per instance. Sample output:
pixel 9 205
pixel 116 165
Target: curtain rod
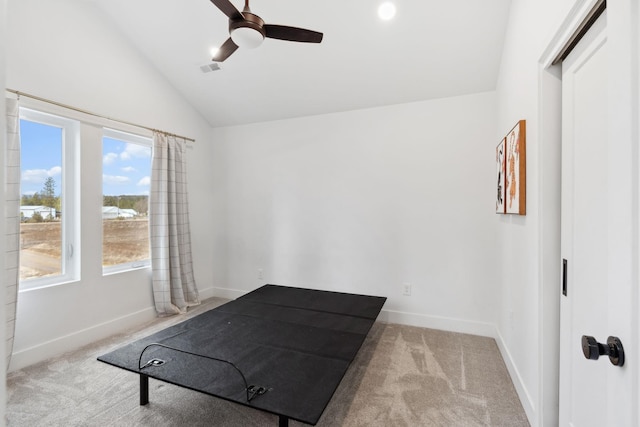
pixel 48 101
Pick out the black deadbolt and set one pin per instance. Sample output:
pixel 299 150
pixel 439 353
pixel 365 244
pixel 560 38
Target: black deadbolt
pixel 592 349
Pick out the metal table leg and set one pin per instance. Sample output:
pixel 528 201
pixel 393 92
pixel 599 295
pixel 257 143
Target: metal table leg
pixel 144 389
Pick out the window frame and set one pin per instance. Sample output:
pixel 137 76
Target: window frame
pixel 70 193
pixel 145 141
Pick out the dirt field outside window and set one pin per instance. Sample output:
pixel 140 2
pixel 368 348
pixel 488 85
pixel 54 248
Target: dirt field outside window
pixel 40 243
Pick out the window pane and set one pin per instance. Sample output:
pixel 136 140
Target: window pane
pixel 126 180
pixel 41 201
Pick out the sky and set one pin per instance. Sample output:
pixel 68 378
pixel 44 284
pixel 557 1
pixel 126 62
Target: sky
pixel 126 167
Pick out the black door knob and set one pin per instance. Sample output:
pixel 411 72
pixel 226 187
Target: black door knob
pixel 592 349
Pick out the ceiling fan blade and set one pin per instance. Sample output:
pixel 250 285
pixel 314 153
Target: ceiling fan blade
pixel 293 34
pixel 225 50
pixel 228 9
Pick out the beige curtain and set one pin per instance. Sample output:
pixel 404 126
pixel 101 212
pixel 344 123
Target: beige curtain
pixel 12 215
pixel 174 287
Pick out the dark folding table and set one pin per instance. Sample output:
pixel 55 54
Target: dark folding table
pixel 278 349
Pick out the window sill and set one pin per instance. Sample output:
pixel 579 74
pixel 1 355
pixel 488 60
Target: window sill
pixel 43 284
pixel 123 268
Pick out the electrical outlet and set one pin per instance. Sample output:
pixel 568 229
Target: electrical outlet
pixel 260 276
pixel 406 289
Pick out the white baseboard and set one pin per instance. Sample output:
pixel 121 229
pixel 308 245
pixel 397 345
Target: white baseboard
pixel 55 347
pixel 392 316
pixel 207 293
pixel 74 341
pixel 227 293
pixel 438 322
pixel 523 394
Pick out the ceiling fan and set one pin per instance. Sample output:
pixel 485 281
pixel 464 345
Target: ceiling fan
pixel 248 30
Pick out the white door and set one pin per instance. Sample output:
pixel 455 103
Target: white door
pixel 589 388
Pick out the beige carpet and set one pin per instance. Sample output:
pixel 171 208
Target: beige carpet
pixel 403 376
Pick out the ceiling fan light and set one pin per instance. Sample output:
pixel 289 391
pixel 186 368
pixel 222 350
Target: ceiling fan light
pixel 246 37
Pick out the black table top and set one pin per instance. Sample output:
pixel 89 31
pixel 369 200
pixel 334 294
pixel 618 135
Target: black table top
pixel 296 343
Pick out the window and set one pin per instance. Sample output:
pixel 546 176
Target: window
pixel 126 172
pixel 48 205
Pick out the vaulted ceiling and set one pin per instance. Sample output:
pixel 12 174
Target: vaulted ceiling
pixel 431 49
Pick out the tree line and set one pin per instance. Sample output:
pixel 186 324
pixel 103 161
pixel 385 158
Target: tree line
pixel 47 197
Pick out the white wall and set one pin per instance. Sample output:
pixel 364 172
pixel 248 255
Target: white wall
pixel 364 201
pixel 67 52
pixel 529 285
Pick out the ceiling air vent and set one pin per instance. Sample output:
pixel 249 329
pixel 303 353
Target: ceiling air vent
pixel 207 68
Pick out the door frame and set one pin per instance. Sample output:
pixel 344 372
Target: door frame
pixel 623 17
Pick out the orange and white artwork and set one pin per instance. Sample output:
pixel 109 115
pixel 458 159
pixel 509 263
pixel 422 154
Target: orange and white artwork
pixel 500 171
pixel 515 174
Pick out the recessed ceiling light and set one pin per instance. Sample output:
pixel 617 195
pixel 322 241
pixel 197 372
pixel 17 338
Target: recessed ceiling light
pixel 387 11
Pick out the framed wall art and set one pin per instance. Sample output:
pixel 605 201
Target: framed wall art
pixel 516 170
pixel 500 170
